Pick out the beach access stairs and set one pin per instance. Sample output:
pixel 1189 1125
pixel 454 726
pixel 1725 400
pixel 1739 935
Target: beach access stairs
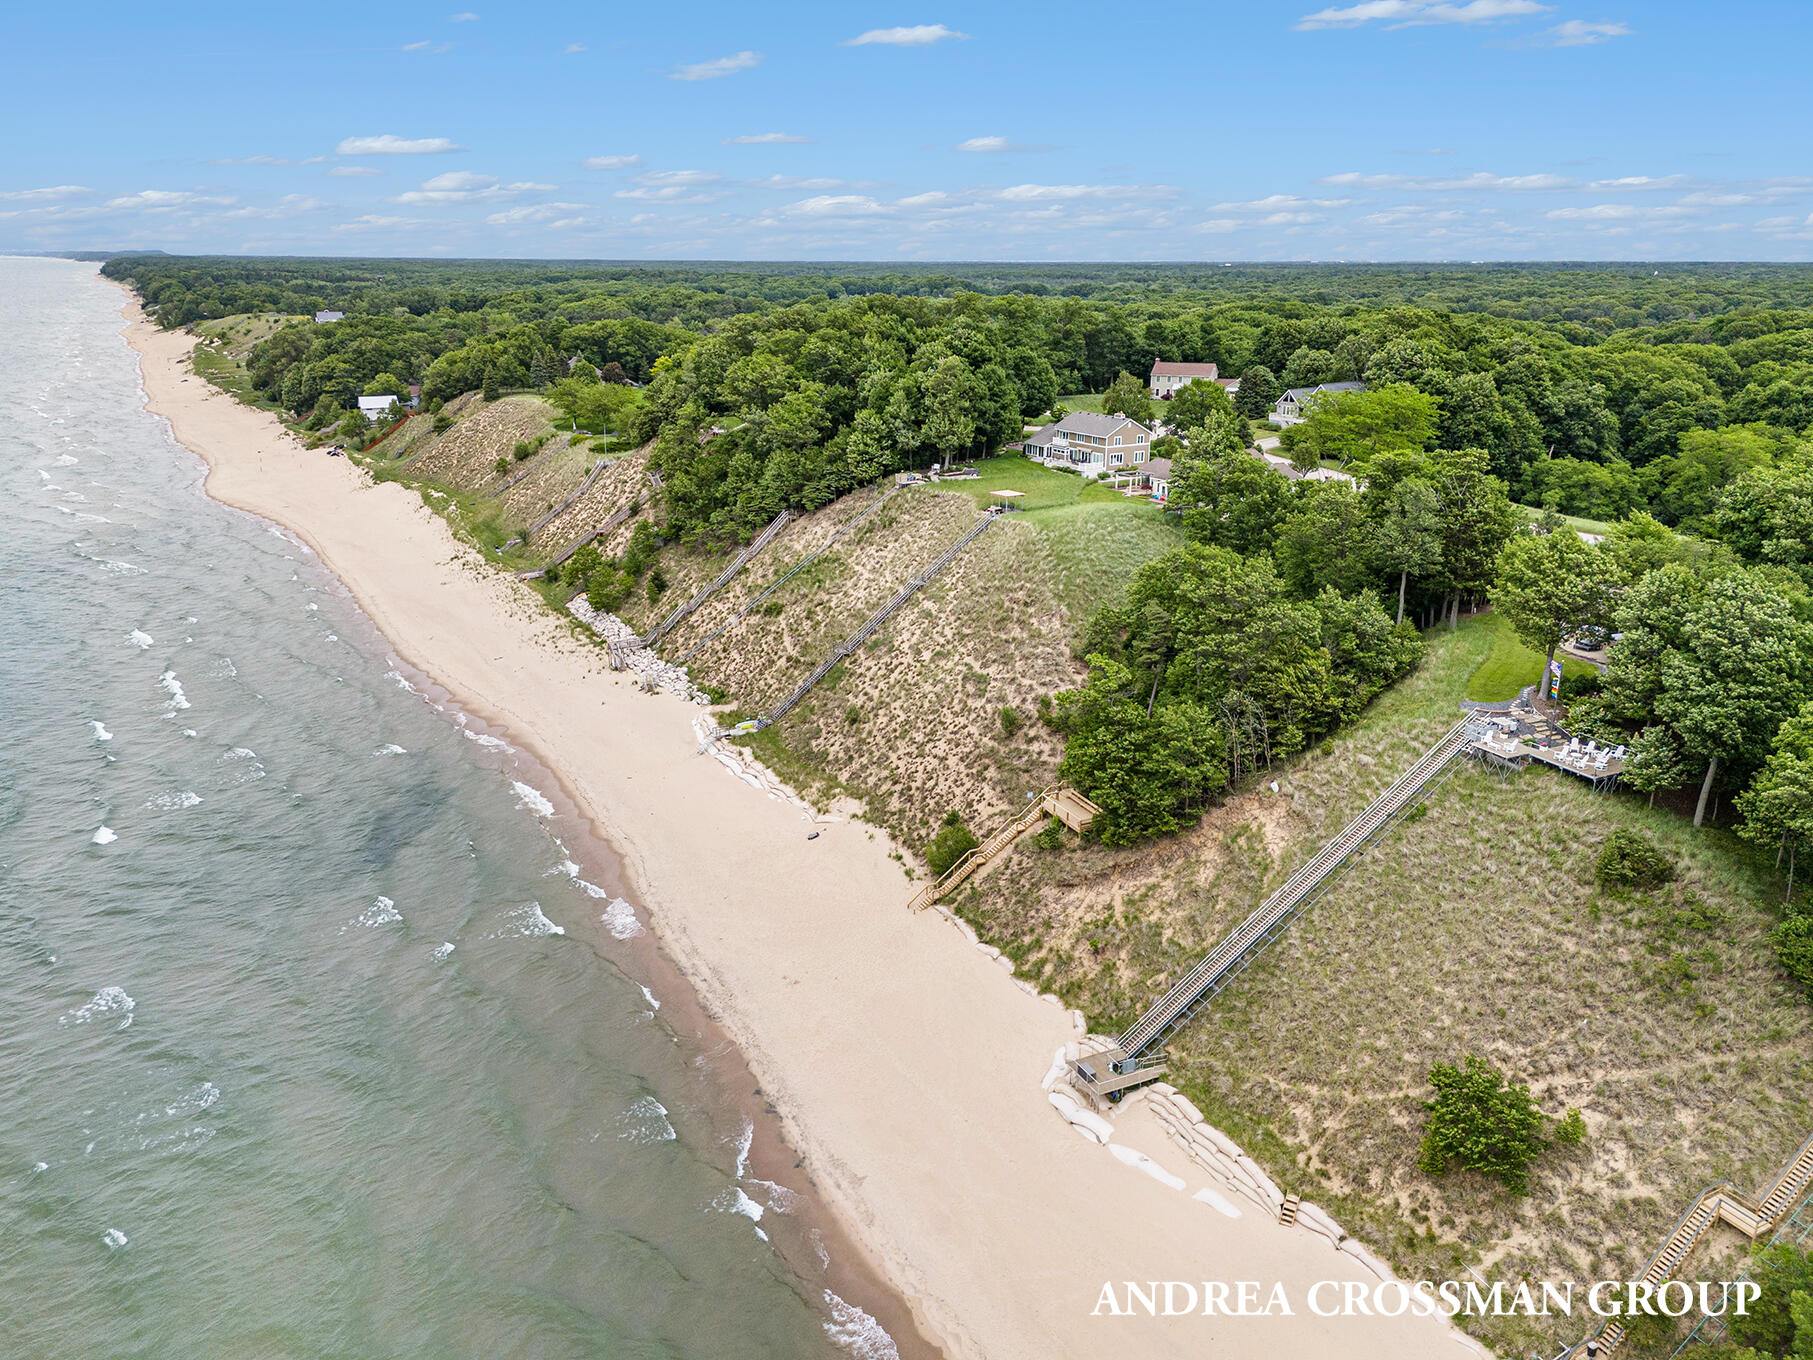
pixel 683 611
pixel 1059 800
pixel 906 592
pixel 615 519
pixel 1132 1060
pixel 793 571
pixel 1752 1215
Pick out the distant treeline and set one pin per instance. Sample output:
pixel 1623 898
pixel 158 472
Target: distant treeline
pixel 1595 389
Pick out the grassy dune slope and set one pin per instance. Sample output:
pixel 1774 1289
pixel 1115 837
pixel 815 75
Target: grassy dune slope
pixel 1476 928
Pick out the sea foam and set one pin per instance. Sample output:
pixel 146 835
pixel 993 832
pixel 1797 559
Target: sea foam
pixel 139 638
pixel 857 1332
pixel 105 835
pixel 620 919
pixel 532 798
pixel 100 731
pixel 174 688
pixel 169 802
pixel 106 1002
pixel 646 1121
pixel 382 912
pixel 527 920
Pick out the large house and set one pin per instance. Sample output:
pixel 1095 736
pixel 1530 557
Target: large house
pixel 1168 378
pixel 375 409
pixel 323 318
pixel 1090 444
pixel 1289 410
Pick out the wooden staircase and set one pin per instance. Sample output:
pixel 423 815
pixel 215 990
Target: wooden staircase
pixel 1049 802
pixel 1751 1215
pixel 723 578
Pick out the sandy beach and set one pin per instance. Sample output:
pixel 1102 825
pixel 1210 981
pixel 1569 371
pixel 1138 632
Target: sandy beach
pixel 905 1063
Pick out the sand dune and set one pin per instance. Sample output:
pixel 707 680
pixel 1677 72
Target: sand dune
pixel 906 1063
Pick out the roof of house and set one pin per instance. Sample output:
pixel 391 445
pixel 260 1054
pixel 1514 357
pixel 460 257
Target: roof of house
pixel 1301 392
pixel 1158 469
pixel 375 403
pixel 1083 422
pixel 1166 368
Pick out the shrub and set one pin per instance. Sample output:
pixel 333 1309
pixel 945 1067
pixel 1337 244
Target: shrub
pixel 852 715
pixel 443 421
pixel 1479 1119
pixel 1571 1131
pixel 523 449
pixel 1793 941
pixel 1579 686
pixel 1051 835
pixel 1782 1270
pixel 657 584
pixel 503 466
pixel 1011 721
pixel 1631 860
pixel 953 841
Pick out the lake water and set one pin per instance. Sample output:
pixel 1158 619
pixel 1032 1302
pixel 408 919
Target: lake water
pixel 315 1041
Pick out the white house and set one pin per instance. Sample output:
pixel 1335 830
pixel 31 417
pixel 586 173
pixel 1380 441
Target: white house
pixel 1090 443
pixel 1289 410
pixel 1168 379
pixel 322 318
pixel 374 408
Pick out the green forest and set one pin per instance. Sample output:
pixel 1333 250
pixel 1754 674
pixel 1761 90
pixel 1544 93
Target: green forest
pixel 1671 405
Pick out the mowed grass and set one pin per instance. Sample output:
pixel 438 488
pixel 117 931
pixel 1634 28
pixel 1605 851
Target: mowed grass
pixel 1045 488
pixel 1510 665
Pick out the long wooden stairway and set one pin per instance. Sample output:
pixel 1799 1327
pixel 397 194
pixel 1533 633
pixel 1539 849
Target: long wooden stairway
pixel 1248 939
pixel 723 578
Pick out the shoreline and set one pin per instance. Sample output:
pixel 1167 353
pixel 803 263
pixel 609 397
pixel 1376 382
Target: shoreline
pixel 902 1065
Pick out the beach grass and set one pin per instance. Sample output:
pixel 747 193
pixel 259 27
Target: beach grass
pixel 1476 928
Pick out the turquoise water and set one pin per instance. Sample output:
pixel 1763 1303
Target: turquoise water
pixel 314 1039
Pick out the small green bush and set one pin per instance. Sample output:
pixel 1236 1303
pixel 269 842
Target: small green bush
pixel 1793 941
pixel 1481 1120
pixel 443 421
pixel 503 466
pixel 1630 860
pixel 1578 686
pixel 1571 1131
pixel 1011 721
pixel 953 841
pixel 523 449
pixel 852 715
pixel 1051 835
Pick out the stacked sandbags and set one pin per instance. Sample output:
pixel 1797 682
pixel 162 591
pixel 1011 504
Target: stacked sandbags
pixel 1092 1126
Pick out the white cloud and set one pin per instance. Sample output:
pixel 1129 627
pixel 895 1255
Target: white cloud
pixel 571 48
pixel 354 171
pixel 163 200
pixel 54 194
pixel 464 17
pixel 767 139
pixel 290 205
pixel 534 212
pixel 797 182
pixel 426 46
pixel 1579 33
pixel 918 35
pixel 1282 203
pixel 390 145
pixel 1640 182
pixel 717 67
pixel 1049 193
pixel 1480 180
pixel 1598 212
pixel 986 145
pixel 838 205
pixel 465 186
pixel 685 179
pixel 1414 13
pixel 378 222
pixel 610 162
pixel 1219 226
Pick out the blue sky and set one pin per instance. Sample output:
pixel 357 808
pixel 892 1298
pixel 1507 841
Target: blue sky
pixel 1377 129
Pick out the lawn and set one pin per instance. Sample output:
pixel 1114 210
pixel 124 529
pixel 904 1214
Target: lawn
pixel 1510 665
pixel 1585 526
pixel 1045 488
